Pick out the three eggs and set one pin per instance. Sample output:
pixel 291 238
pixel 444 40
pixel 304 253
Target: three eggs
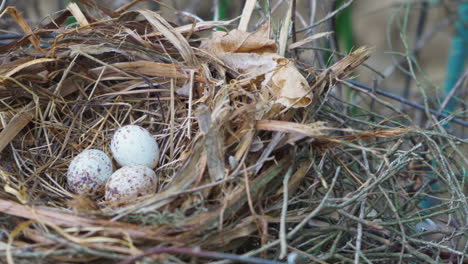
pixel 135 150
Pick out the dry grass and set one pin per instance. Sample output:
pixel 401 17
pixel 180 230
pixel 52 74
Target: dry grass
pixel 237 173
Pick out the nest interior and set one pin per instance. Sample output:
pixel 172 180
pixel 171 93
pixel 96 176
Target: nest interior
pixel 238 172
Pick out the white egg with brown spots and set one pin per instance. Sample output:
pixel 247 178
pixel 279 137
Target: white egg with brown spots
pixel 88 172
pixel 131 182
pixel 134 145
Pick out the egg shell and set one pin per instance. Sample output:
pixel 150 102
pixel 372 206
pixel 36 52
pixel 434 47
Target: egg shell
pixel 130 182
pixel 88 172
pixel 134 145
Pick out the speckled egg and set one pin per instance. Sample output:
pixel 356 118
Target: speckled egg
pixel 88 172
pixel 130 182
pixel 134 145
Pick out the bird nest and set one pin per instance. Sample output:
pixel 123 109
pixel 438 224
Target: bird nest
pixel 254 153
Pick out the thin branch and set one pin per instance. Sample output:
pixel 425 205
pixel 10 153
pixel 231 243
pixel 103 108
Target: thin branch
pixel 196 252
pixel 355 84
pixel 284 210
pixel 329 16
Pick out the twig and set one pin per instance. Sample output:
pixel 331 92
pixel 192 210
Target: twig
pixel 318 208
pixel 419 45
pixel 300 225
pixel 246 14
pixel 360 220
pixel 249 197
pixel 196 252
pixel 284 32
pixel 190 106
pixel 355 84
pixel 277 136
pixel 313 12
pixel 419 32
pixel 359 233
pixel 293 28
pixel 452 93
pixel 284 210
pixel 2 6
pixel 172 119
pixel 329 16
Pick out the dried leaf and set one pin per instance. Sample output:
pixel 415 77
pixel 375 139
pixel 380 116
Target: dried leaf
pixel 252 55
pixel 290 87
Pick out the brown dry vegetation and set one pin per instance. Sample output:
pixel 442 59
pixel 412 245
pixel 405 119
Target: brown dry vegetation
pixel 260 157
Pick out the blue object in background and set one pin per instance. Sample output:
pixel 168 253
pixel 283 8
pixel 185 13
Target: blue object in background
pixel 427 225
pixel 455 68
pixel 458 53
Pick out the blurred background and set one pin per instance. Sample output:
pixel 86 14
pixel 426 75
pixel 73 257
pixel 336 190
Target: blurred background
pixel 398 30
